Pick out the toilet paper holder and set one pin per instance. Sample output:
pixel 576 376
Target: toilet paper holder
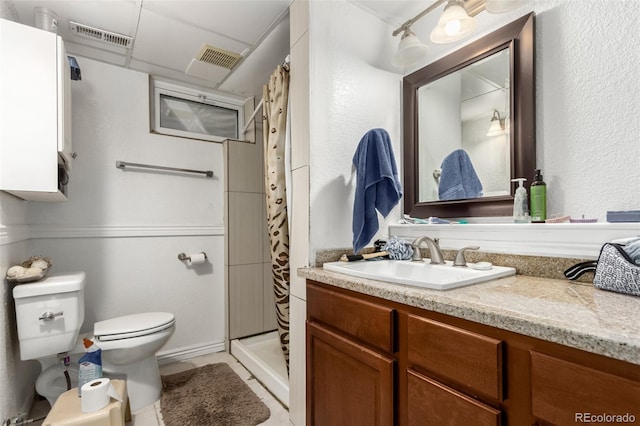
pixel 182 256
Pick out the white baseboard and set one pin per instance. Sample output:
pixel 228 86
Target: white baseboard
pixel 184 353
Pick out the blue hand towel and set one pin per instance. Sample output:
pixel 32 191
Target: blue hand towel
pixel 377 185
pixel 459 179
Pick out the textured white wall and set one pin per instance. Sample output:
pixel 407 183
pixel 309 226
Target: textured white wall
pixel 352 90
pixel 588 106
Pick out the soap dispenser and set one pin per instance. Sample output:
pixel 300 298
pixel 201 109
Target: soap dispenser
pixel 538 198
pixel 521 203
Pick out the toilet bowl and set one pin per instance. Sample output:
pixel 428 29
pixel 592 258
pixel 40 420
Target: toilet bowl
pixel 49 315
pixel 129 344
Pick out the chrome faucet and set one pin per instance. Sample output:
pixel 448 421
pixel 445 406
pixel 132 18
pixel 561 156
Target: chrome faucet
pixel 435 253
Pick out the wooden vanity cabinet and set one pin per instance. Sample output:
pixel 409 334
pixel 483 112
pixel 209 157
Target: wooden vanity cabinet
pixel 375 362
pixel 350 361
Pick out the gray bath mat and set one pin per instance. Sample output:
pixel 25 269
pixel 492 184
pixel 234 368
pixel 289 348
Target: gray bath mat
pixel 208 396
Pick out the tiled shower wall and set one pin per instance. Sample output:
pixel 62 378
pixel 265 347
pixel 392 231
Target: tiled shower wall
pixel 249 293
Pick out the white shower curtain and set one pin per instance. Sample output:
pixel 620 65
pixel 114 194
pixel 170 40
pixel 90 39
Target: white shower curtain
pixel 275 100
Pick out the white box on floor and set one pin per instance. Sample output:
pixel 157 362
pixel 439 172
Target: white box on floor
pixel 67 411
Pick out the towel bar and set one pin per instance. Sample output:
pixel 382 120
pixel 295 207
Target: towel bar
pixel 123 164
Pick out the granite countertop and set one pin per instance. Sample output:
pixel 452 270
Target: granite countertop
pixel 573 314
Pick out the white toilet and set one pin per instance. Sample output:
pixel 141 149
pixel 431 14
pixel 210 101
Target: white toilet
pixel 49 314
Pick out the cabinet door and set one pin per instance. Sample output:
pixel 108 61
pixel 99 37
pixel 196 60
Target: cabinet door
pixel 29 119
pixel 432 403
pixel 347 383
pixel 29 111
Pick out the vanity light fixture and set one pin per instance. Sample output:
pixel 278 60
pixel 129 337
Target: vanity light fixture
pixel 497 124
pixel 410 49
pixel 454 24
pixel 457 22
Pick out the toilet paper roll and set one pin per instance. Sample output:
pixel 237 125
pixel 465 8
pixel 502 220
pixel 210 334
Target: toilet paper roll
pixel 97 394
pixel 196 259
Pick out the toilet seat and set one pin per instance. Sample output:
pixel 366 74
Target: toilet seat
pixel 135 325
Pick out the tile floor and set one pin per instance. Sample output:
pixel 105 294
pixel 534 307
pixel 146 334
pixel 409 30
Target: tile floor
pixel 152 415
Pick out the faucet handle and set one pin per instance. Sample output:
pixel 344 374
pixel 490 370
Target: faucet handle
pixel 460 259
pixel 417 254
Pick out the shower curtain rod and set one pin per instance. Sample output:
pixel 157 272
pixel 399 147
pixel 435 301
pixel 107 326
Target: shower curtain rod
pixel 250 120
pixel 286 64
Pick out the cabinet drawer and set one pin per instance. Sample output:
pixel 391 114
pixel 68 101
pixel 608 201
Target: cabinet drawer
pixel 372 324
pixel 432 403
pixel 467 358
pixel 564 393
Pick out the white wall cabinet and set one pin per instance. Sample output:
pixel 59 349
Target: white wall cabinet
pixel 35 112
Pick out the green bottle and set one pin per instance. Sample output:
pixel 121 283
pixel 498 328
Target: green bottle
pixel 538 192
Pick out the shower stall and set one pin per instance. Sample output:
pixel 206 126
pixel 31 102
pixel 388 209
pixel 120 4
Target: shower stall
pixel 262 356
pixel 251 314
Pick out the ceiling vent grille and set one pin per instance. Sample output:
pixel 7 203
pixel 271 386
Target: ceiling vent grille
pixel 216 56
pixel 97 34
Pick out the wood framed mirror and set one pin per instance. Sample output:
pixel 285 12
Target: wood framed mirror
pixel 427 134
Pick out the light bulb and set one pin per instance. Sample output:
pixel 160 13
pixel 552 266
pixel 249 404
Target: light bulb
pixel 454 24
pixel 452 27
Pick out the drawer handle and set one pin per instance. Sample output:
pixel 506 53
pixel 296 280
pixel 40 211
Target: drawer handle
pixel 48 316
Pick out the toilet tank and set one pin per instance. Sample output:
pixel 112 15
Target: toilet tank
pixel 49 314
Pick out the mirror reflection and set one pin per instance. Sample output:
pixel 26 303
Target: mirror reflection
pixel 464 133
pixel 514 103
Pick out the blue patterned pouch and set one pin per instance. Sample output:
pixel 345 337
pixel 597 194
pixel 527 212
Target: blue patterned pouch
pixel 616 271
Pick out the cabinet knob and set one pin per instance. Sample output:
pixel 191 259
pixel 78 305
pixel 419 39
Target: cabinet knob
pixel 74 155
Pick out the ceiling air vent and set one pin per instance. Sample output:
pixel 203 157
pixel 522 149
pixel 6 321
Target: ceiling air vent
pixel 216 56
pixel 100 35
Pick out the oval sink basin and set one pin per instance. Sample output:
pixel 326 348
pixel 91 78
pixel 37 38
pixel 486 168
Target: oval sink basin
pixel 419 274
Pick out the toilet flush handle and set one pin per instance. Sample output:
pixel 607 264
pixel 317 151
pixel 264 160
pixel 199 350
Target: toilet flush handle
pixel 48 316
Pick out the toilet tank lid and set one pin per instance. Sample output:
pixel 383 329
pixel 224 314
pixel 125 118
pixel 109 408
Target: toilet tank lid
pixel 132 323
pixel 52 284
